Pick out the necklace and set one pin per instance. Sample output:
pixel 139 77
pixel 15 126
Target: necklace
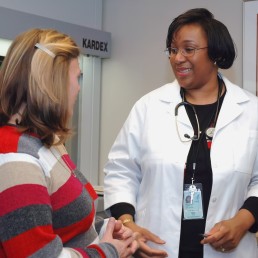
pixel 210 129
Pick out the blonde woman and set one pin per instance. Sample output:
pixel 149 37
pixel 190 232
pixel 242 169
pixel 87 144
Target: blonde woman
pixel 46 204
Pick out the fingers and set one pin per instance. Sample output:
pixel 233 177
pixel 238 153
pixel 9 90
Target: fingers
pixel 134 246
pixel 222 237
pixel 143 249
pixel 130 246
pixel 123 233
pixel 118 225
pixel 110 226
pixel 216 240
pixel 141 254
pixel 222 249
pixel 151 237
pixel 146 234
pixel 151 252
pixel 126 243
pixel 156 239
pixel 214 235
pixel 127 233
pixel 143 236
pixel 108 234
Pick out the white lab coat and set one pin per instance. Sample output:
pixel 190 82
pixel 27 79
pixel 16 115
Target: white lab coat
pixel 146 165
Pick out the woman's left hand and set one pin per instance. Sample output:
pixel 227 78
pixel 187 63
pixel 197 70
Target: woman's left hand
pixel 226 235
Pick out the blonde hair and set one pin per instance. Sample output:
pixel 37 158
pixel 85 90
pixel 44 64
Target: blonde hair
pixel 39 79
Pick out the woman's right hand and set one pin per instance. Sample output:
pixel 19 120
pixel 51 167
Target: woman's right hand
pixel 143 236
pixel 126 245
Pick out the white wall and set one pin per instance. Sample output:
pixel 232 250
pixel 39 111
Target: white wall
pixel 80 12
pixel 138 64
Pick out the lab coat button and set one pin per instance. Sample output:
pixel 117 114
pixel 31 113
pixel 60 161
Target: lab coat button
pixel 214 199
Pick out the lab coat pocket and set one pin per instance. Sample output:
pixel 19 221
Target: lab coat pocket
pixel 245 150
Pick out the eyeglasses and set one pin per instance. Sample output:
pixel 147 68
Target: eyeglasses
pixel 186 52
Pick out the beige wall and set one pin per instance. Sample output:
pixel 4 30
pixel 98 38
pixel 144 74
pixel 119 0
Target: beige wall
pixel 138 64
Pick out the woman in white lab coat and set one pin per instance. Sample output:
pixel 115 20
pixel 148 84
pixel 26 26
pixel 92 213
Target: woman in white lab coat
pixel 183 171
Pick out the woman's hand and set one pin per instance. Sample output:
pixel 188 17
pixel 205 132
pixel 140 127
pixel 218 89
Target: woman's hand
pixel 143 236
pixel 122 238
pixel 226 235
pixel 121 232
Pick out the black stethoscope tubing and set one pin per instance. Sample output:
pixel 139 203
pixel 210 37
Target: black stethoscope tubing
pixel 196 137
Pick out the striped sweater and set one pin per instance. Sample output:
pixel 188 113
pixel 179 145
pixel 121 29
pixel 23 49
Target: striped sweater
pixel 46 205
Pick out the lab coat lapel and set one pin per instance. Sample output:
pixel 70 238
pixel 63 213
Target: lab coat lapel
pixel 171 95
pixel 183 117
pixel 230 108
pixel 229 111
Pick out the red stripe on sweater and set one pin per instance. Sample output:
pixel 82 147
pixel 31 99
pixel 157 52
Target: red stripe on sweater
pixel 73 230
pixel 99 250
pixel 21 196
pixel 29 242
pixel 69 191
pixel 66 158
pixel 9 143
pixel 91 191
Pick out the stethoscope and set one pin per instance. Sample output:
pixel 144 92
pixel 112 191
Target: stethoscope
pixel 188 138
pixel 209 132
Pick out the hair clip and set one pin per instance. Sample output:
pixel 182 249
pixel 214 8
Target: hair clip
pixel 46 50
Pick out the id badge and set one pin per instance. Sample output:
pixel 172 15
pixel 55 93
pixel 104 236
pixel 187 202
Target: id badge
pixel 192 204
